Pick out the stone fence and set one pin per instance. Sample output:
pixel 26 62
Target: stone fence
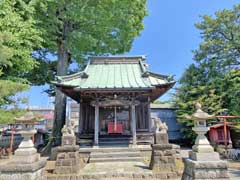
pixel 5 141
pixel 233 154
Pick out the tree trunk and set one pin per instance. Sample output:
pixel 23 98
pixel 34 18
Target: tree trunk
pixel 60 98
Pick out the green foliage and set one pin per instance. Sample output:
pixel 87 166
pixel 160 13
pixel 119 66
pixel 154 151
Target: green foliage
pixel 7 116
pixel 231 91
pixel 213 80
pixel 91 27
pixel 19 37
pixel 221 46
pixel 43 73
pixel 8 89
pixel 86 28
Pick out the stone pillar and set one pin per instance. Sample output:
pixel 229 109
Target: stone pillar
pixel 96 127
pixel 68 160
pixel 163 157
pixel 26 162
pixel 133 117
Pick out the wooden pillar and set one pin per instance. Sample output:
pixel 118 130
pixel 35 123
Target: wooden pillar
pixel 133 117
pixel 225 132
pixel 149 116
pixel 96 129
pixel 80 118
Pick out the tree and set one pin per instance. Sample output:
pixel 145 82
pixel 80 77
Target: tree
pixel 18 39
pixel 78 28
pixel 213 79
pixel 194 87
pixel 8 91
pixel 231 91
pixel 221 45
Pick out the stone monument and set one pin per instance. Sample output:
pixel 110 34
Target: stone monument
pixel 26 162
pixel 203 162
pixel 163 153
pixel 67 161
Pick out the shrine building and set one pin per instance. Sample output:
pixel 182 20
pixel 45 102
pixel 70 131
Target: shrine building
pixel 114 94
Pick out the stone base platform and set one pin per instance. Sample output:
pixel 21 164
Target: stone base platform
pixel 208 170
pixel 112 170
pixel 67 160
pixel 37 175
pixel 17 171
pixel 163 158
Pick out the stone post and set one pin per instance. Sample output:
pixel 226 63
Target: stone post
pixel 203 162
pixel 163 157
pixel 68 160
pixel 26 162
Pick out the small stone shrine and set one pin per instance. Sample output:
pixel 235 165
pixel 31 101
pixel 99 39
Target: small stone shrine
pixel 163 153
pixel 26 162
pixel 203 162
pixel 67 158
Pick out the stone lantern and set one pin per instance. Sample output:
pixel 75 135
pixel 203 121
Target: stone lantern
pixel 26 162
pixel 203 162
pixel 26 146
pixel 200 117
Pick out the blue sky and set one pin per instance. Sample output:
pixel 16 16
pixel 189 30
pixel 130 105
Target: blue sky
pixel 168 38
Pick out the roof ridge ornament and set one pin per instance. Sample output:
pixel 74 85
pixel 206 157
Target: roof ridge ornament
pixel 145 74
pixel 84 75
pixel 171 78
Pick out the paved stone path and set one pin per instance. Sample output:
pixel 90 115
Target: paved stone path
pixel 234 174
pixel 113 167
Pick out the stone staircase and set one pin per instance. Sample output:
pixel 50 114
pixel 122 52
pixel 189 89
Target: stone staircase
pixel 112 148
pixel 115 155
pixel 115 140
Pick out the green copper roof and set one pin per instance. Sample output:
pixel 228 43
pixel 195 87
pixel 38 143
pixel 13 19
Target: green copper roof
pixel 114 73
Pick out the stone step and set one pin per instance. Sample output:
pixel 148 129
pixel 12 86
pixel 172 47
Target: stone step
pixel 112 142
pixel 115 154
pixel 115 159
pixel 115 139
pixel 108 149
pixel 114 149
